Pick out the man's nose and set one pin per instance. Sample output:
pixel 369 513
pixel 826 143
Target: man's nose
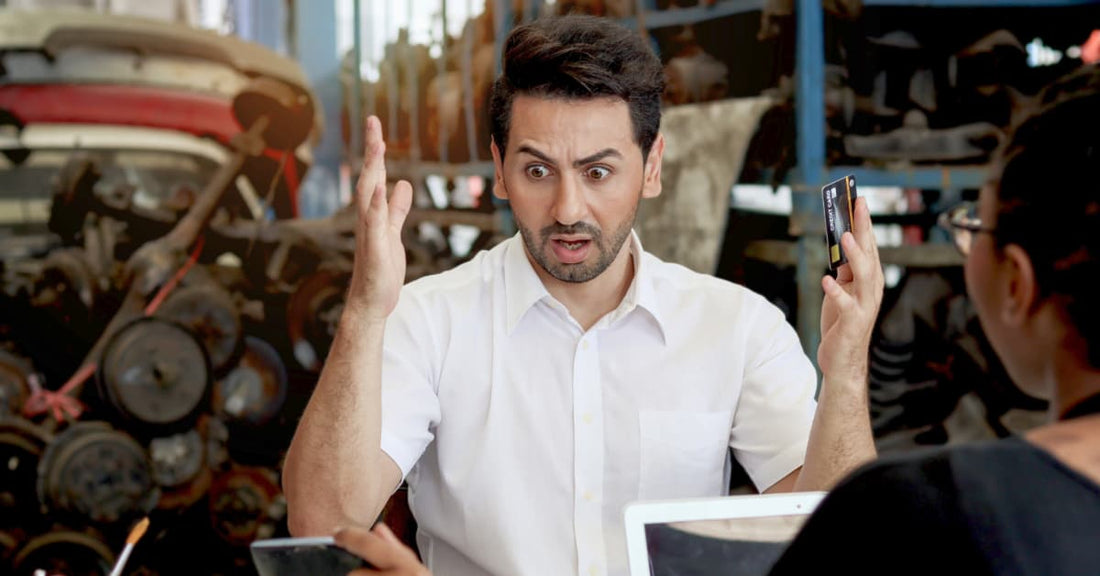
pixel 569 203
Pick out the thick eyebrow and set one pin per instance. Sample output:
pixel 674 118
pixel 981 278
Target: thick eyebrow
pixel 605 153
pixel 529 150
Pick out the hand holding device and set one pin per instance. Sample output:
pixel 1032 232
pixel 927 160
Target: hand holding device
pixel 318 556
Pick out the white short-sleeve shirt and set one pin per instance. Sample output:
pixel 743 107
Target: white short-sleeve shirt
pixel 522 437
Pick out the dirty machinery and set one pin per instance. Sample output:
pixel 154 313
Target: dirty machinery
pixel 133 377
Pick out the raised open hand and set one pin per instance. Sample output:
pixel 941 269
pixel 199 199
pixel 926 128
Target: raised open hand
pixel 379 253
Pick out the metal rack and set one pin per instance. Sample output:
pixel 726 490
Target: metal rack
pixel 812 172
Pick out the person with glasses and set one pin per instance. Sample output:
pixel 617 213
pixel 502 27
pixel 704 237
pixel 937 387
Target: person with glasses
pixel 1027 504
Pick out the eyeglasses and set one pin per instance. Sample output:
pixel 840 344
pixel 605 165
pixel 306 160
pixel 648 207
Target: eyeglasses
pixel 963 222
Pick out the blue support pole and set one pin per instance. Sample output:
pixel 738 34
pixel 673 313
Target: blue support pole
pixel 263 22
pixel 355 109
pixel 315 40
pixel 805 217
pixel 810 103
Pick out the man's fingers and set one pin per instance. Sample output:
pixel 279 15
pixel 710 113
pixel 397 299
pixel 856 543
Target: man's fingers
pixel 373 548
pixel 857 258
pixel 861 225
pixel 400 204
pixel 863 228
pixel 373 170
pixel 377 212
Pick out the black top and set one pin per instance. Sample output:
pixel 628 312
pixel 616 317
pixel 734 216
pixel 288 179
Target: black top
pixel 1003 507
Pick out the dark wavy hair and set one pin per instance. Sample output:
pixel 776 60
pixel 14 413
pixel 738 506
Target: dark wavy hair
pixel 579 57
pixel 1048 197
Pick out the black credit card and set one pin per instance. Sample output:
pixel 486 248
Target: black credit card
pixel 839 198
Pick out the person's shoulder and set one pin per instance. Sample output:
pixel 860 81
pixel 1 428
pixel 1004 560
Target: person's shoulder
pixel 935 468
pixel 903 472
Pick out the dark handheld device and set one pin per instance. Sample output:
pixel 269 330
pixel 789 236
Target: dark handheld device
pixel 296 556
pixel 839 198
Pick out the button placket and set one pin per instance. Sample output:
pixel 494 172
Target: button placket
pixel 588 456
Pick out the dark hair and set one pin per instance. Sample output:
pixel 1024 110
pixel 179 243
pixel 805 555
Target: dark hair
pixel 579 57
pixel 1049 198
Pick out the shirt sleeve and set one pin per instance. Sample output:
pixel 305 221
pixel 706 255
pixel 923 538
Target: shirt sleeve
pixel 410 404
pixel 771 424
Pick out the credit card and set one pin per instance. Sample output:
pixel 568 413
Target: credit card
pixel 839 198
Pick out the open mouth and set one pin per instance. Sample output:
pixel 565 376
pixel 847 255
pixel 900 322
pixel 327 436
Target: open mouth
pixel 571 251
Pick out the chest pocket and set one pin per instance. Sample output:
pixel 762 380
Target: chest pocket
pixel 682 454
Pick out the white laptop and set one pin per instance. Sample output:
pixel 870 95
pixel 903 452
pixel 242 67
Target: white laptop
pixel 735 535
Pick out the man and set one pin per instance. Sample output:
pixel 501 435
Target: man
pixel 528 395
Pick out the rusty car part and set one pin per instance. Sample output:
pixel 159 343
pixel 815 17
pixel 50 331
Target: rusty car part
pixel 96 473
pixel 312 314
pixel 66 282
pixel 246 504
pixel 180 469
pixel 64 552
pixel 177 459
pixel 154 373
pixel 16 375
pixel 21 446
pixel 208 311
pixel 255 390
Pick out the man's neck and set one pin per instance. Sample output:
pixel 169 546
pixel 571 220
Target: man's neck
pixel 587 302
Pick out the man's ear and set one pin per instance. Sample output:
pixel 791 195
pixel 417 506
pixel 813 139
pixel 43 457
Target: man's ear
pixel 651 183
pixel 1021 297
pixel 498 172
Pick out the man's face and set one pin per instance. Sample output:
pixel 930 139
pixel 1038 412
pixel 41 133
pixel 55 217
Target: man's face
pixel 574 175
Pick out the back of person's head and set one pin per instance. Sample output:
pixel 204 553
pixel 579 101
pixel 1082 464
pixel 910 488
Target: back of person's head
pixel 579 57
pixel 1049 199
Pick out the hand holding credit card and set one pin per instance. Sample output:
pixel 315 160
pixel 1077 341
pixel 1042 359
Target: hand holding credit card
pixel 853 292
pixel 839 199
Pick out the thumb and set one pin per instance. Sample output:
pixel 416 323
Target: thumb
pixel 383 530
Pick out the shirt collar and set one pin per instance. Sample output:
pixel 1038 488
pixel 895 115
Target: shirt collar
pixel 523 287
pixel 642 292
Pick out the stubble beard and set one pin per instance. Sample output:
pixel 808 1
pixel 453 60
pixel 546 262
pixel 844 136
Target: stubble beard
pixel 538 248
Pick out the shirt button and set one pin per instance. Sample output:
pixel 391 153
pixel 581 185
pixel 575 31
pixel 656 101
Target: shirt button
pixel 588 495
pixel 584 344
pixel 594 570
pixel 587 418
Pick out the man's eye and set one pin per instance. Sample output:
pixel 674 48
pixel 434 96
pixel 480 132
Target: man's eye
pixel 538 171
pixel 598 172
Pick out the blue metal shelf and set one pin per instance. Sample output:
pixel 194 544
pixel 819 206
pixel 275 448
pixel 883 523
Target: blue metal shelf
pixel 684 16
pixel 812 172
pixel 925 177
pixel 979 3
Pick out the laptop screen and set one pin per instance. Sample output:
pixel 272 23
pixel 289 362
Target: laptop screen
pixel 736 535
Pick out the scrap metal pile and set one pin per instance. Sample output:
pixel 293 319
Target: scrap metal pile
pixel 157 339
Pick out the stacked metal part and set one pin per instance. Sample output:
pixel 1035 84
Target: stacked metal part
pixel 144 346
